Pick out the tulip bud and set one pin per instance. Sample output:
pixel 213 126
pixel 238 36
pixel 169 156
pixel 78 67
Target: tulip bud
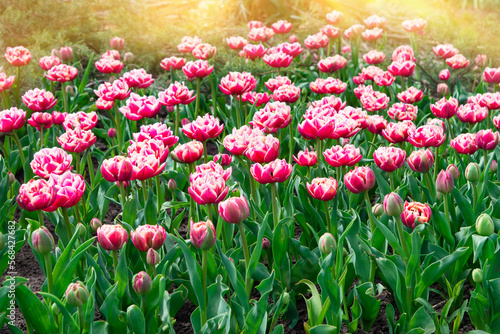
pixel 445 182
pixel 477 275
pixel 484 225
pixel 236 192
pixel 223 159
pixel 42 240
pixel 327 243
pixel 378 210
pixel 266 244
pixel 234 210
pixel 128 57
pixel 202 234
pixel 81 230
pixel 472 172
pixel 170 108
pixel 142 283
pixel 70 90
pixel 95 223
pixel 454 171
pixel 55 310
pixel 172 185
pixel 185 121
pixel 12 178
pixel 152 257
pixel 66 53
pixel 443 89
pixel 76 294
pixel 393 205
pixel 112 133
pixel 2 241
pixel 286 298
pixel 494 166
pixel 444 75
pixel 293 39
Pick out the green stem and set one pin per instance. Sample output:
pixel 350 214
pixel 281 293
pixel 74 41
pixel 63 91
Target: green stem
pixel 41 137
pixel 18 87
pixel 209 212
pixel 144 191
pixel 332 229
pixel 436 162
pixel 238 116
pixel 176 129
pixel 67 224
pixel 204 285
pixel 48 269
pixel 196 112
pixel 77 163
pixel 205 154
pixel 393 184
pixel 118 128
pixel 40 217
pixel 192 207
pixel 214 94
pixel 485 156
pixel 290 154
pixel 158 193
pixel 399 226
pixel 447 212
pixel 122 194
pixel 369 212
pixel 318 154
pixel 115 261
pixel 248 281
pixel 80 318
pixel 474 196
pixel 65 97
pixel 143 304
pixel 91 169
pixel 274 194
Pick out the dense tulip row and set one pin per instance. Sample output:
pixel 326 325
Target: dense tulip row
pixel 355 177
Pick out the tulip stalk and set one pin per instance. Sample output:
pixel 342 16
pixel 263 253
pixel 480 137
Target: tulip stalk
pixel 158 192
pixel 67 224
pixel 122 193
pixel 369 211
pixel 80 318
pixel 436 162
pixel 205 154
pixel 91 169
pixel 177 120
pixel 40 217
pixel 214 93
pixel 474 196
pixel 19 146
pixel 118 128
pixel 274 194
pixel 244 244
pixel 446 210
pixel 238 116
pixel 114 252
pixel 331 228
pixel 399 227
pixel 65 97
pixel 290 154
pixel 197 105
pixel 48 272
pixel 144 192
pixel 204 267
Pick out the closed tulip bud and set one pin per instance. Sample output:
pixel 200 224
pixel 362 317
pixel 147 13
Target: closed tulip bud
pixel 42 240
pixel 234 210
pixel 142 283
pixel 12 178
pixel 77 294
pixel 443 89
pixel 112 133
pixel 81 230
pixel 55 310
pixel 494 166
pixel 172 185
pixel 454 171
pixel 445 182
pixel 2 241
pixel 477 275
pixel 202 234
pixel 152 257
pixel 472 172
pixel 286 298
pixel 327 243
pixel 484 225
pixel 128 57
pixel 393 204
pixel 378 210
pixel 95 223
pixel 266 244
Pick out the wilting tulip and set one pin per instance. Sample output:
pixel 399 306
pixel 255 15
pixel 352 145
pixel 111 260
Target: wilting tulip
pixel 472 172
pixel 445 182
pixel 306 158
pixel 51 161
pixel 147 237
pixel 197 69
pixel 62 73
pixel 389 158
pixel 12 119
pixel 359 179
pixel 465 143
pixel 36 195
pixel 47 62
pixel 202 234
pixel 342 156
pixel 275 171
pixel 118 168
pixel 421 161
pixel 415 213
pixel 393 204
pixel 323 189
pixel 41 120
pixel 203 128
pixel 487 139
pixel 42 240
pixel 112 237
pixel 188 153
pixel 234 210
pixel 69 189
pixel 18 56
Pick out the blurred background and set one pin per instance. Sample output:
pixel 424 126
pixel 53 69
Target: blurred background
pixel 153 28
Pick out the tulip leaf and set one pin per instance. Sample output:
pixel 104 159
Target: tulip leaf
pixel 369 304
pixel 34 311
pixel 136 320
pixel 150 211
pixel 441 225
pixel 255 257
pixel 117 319
pixel 465 207
pixel 235 279
pixel 382 182
pixel 68 319
pixel 256 321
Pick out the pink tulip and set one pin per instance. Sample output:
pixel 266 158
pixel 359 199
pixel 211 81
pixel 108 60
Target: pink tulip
pixel 58 118
pixel 147 237
pixel 445 108
pixel 112 237
pixel 275 171
pixel 316 41
pixel 117 43
pixel 306 158
pixel 103 104
pixel 444 74
pixel 472 113
pixel 384 79
pixel 291 49
pixel 354 31
pixel 12 119
pixel 323 189
pixel 149 146
pixel 403 112
pixel 368 73
pixel 138 78
pixel 411 95
pixel 375 21
pixel 329 102
pixel 197 69
pixel 393 204
pixel 237 142
pixel 172 63
pixel 356 114
pixel 445 182
pixel 202 234
pixel 287 93
pixel 118 168
pixel 252 51
pixel 442 89
pixel 359 179
pixel 118 90
pixel 398 132
pixel 481 60
pixel 223 159
pixel 453 171
pixel 491 75
pixel 18 56
pixel 234 210
pixel 416 25
pixel 444 51
pixel 274 83
pixel 465 143
pixel 374 100
pixel 76 140
pixel 157 131
pixel 85 121
pixel 372 34
pixel 274 116
pixel 376 124
pixel 403 53
pixel 389 158
pixel 401 68
pixel 236 83
pixel 332 64
pixel 36 195
pixel 256 99
pixel 374 57
pixel 212 167
pixel 278 60
pixel 415 213
pixel 188 153
pixel 145 166
pixel 39 99
pixel 487 139
pixel 188 44
pixel 109 65
pixel 317 128
pixel 208 188
pixel 263 149
pixel 260 34
pixel 281 27
pixel 40 119
pixel 204 51
pixel 66 53
pixel 236 42
pixel 176 94
pixel 421 161
pixel 338 156
pixel 203 128
pixel 61 73
pixel 427 136
pixel 138 107
pixel 334 17
pixel 457 61
pixel 112 133
pixel 49 161
pixel 69 188
pixel 490 100
pixel 5 81
pixel 47 62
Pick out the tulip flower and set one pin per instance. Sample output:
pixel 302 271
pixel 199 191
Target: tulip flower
pixel 12 119
pixel 403 112
pixel 442 89
pixel 47 62
pixel 376 124
pixel 203 128
pixel 444 51
pixel 415 213
pixel 39 100
pixel 223 159
pixel 316 41
pixel 444 75
pixel 197 69
pixel 6 82
pixel 281 27
pixel 472 172
pixel 401 68
pixel 457 62
pixel 61 73
pixel 51 161
pixel 338 156
pixel 287 93
pixel 117 43
pixel 306 158
pixel 188 153
pixel 145 167
pixel 142 285
pixel 69 189
pixel 252 51
pixel 173 63
pixel 360 179
pixel 256 99
pixel 237 142
pixel 445 182
pixel 36 195
pixel 411 95
pixel 85 121
pixel 487 139
pixel 275 171
pixel 403 53
pixel 274 83
pixel 139 107
pixel 208 188
pixel 421 161
pixel 332 64
pixel 138 78
pixel 374 57
pixel 188 44
pixel 236 83
pixel 212 167
pixel 234 210
pixel 236 42
pixel 445 108
pixel 491 75
pixel 109 65
pixel 416 25
pixel 278 60
pixel 111 55
pixel 323 189
pixel 374 100
pixel 384 79
pixel 389 158
pixel 427 136
pixel 472 113
pixel 202 234
pixel 76 140
pixel 292 49
pixel 112 237
pixel 465 143
pixel 398 132
pixel 42 240
pixel 18 56
pixel 147 237
pixel 157 131
pixel 204 51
